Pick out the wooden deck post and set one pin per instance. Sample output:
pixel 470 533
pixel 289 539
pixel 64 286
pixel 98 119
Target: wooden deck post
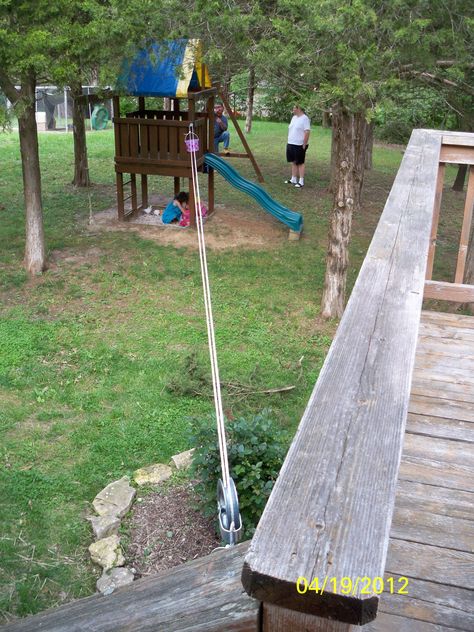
pixel 435 221
pixel 466 228
pixel 276 619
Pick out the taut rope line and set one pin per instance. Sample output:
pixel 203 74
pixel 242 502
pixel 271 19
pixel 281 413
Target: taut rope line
pixel 228 507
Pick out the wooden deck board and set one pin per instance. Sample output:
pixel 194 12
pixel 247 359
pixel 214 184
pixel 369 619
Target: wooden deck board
pixel 433 603
pixel 434 426
pixel 432 535
pixel 443 390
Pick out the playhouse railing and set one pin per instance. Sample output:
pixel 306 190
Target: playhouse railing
pixel 155 140
pixel 330 512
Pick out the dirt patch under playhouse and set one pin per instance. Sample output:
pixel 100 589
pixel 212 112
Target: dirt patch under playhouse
pixel 226 228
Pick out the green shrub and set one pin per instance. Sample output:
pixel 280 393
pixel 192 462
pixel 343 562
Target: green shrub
pixel 411 107
pixel 256 450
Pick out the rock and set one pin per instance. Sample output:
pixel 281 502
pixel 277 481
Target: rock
pixel 152 475
pixel 115 499
pixel 116 578
pixel 182 460
pixel 107 552
pixel 105 525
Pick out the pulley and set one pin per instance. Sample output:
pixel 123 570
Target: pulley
pixel 230 522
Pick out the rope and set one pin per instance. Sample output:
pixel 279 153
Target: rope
pixel 192 146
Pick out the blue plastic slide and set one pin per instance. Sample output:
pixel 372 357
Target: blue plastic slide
pixel 290 218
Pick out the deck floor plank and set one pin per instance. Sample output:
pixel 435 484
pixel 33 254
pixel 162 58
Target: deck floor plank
pixel 433 603
pixel 433 426
pixel 432 535
pixel 453 391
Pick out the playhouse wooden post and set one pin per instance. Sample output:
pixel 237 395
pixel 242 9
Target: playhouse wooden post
pixel 210 116
pixel 191 109
pixel 116 106
pixel 210 148
pixel 120 202
pixel 133 186
pixel 241 136
pixel 118 176
pixel 144 190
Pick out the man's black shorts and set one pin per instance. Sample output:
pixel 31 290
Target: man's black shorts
pixel 295 153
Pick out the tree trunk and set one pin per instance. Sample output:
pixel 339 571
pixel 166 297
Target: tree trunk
pixel 326 122
pixel 81 164
pixel 460 178
pixel 349 142
pixel 335 133
pixel 250 98
pixel 35 258
pixel 369 146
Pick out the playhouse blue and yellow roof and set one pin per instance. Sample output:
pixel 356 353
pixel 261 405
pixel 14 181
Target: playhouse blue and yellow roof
pixel 166 69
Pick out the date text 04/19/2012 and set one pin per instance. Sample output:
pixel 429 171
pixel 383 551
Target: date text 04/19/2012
pixel 353 586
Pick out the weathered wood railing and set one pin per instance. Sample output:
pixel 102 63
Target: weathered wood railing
pixel 456 148
pixel 205 595
pixel 330 512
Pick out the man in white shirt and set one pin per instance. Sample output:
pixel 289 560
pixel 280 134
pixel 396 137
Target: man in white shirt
pixel 298 136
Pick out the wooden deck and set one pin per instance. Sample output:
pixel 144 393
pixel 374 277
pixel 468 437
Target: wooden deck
pixel 432 535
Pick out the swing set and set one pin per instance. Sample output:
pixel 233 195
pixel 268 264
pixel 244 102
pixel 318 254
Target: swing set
pixel 152 142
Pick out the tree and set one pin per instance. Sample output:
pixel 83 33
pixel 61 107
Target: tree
pixel 339 55
pixel 56 42
pixel 250 100
pixel 100 33
pixel 30 37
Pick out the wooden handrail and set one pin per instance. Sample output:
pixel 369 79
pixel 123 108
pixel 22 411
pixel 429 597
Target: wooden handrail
pixel 205 594
pixel 330 511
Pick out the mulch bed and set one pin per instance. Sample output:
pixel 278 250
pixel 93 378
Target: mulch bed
pixel 166 529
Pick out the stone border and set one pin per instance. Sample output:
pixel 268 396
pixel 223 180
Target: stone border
pixel 112 504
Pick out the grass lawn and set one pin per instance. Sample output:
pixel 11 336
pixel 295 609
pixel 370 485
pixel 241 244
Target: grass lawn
pixel 89 350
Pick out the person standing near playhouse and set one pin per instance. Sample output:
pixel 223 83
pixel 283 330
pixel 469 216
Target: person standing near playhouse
pixel 298 136
pixel 221 135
